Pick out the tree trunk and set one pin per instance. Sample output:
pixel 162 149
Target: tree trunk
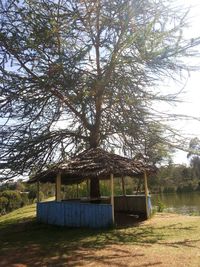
pixel 94 182
pixel 94 138
pixel 94 188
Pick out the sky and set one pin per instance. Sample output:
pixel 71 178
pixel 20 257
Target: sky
pixel 191 92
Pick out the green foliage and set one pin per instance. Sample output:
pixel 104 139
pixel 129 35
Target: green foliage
pixel 160 206
pixel 105 188
pixel 198 187
pixel 174 178
pixel 18 194
pixel 186 188
pixel 194 156
pixel 18 185
pixel 25 199
pixel 14 199
pixel 3 204
pixel 32 194
pixel 97 66
pixel 75 191
pixel 169 190
pixel 46 190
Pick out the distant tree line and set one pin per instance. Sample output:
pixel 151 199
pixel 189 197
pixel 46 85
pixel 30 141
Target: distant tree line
pixel 179 177
pixel 176 178
pixel 18 194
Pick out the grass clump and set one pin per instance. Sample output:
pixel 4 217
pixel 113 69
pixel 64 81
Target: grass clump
pixel 160 206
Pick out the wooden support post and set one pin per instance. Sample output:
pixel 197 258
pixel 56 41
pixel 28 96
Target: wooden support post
pixel 38 191
pixel 58 187
pixel 146 194
pixel 123 187
pixel 112 197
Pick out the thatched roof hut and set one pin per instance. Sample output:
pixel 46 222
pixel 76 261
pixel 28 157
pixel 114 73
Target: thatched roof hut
pixel 93 211
pixel 93 163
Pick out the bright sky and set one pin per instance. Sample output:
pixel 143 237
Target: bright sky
pixel 192 89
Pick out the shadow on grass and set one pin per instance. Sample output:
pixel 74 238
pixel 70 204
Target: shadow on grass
pixel 32 244
pixel 194 243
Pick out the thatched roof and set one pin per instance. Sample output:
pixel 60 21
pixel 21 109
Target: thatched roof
pixel 93 163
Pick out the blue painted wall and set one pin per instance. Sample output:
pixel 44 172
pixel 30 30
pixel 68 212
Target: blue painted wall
pixel 75 214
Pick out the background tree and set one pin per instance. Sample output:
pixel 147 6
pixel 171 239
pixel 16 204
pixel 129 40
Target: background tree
pixel 77 74
pixel 194 156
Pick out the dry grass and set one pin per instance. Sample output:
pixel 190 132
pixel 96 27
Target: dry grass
pixel 165 240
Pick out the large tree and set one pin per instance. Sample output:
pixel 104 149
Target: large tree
pixel 83 73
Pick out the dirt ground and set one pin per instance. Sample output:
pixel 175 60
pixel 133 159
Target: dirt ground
pixel 167 240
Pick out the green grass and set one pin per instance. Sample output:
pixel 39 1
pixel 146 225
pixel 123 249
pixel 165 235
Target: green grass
pixel 20 233
pixel 20 227
pixel 26 213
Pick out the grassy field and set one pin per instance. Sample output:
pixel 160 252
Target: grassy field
pixel 164 240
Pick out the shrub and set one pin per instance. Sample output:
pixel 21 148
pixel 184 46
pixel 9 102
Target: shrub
pixel 3 204
pixel 14 199
pixel 160 206
pixel 32 194
pixel 25 199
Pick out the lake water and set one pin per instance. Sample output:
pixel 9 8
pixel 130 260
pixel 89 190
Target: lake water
pixel 184 203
